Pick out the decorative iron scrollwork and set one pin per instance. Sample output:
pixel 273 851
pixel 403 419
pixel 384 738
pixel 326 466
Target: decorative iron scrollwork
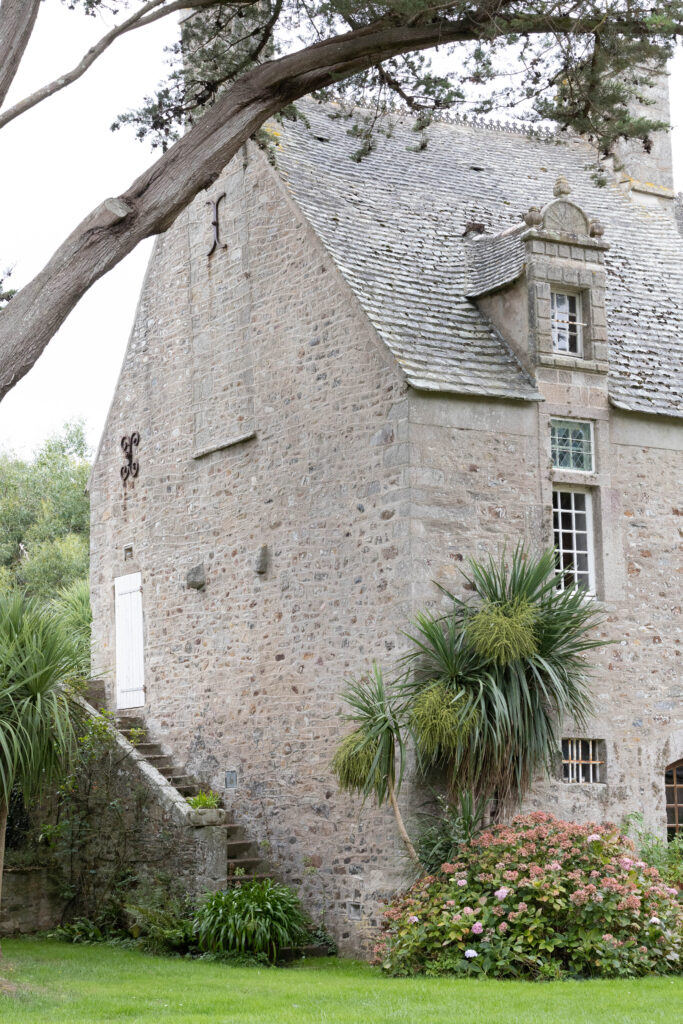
pixel 216 243
pixel 131 468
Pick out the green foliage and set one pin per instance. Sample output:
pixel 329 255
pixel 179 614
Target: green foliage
pixel 515 707
pixel 582 65
pixel 44 516
pixel 252 917
pixel 163 922
pixel 204 799
pixel 72 608
pixel 503 632
pixel 438 722
pixel 538 898
pixel 37 713
pixel 354 762
pixel 666 856
pixel 440 835
pixel 372 758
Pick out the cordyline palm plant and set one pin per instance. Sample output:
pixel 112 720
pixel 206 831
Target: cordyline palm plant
pixel 37 713
pixel 484 688
pixel 513 660
pixel 372 758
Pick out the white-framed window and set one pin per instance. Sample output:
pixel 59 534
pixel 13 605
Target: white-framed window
pixel 583 760
pixel 571 445
pixel 573 538
pixel 565 323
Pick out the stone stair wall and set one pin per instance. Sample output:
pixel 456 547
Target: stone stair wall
pixel 243 860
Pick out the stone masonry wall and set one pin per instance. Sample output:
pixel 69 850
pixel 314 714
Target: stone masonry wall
pixel 482 479
pixel 246 673
pixel 278 435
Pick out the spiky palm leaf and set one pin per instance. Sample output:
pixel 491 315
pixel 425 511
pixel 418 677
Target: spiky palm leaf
pixel 37 713
pixel 517 705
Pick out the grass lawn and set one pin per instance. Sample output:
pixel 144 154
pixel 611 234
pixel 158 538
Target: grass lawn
pixel 47 981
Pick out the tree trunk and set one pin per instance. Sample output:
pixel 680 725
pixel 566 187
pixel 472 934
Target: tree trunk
pixel 156 198
pixel 17 19
pixel 401 827
pixel 3 829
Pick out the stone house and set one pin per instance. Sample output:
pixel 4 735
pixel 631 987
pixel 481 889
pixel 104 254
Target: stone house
pixel 344 379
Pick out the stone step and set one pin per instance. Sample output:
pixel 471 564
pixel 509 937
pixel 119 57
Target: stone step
pixel 178 778
pixel 160 761
pixel 187 790
pixel 125 724
pixel 246 864
pixel 240 847
pixel 149 748
pixel 247 877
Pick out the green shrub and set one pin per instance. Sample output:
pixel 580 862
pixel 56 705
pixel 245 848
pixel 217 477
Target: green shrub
pixel 164 923
pixel 204 799
pixel 253 917
pixel 538 898
pixel 666 856
pixel 441 835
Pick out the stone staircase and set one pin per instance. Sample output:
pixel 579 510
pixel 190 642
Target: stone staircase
pixel 244 862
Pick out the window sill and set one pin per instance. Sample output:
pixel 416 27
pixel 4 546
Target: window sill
pixel 220 445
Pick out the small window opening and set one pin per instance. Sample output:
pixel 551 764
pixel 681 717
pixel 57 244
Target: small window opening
pixel 573 539
pixel 673 781
pixel 571 445
pixel 583 760
pixel 565 321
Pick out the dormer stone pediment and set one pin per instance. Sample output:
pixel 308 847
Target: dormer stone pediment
pixel 542 284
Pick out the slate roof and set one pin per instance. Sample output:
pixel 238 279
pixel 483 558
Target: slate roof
pixel 395 222
pixel 494 261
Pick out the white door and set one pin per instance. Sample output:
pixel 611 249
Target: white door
pixel 130 663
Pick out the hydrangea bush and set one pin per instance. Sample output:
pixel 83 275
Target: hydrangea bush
pixel 538 898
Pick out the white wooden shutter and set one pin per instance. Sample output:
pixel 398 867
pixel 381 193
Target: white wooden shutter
pixel 130 663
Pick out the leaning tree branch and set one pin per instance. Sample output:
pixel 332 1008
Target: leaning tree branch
pixel 192 164
pixel 150 12
pixel 17 20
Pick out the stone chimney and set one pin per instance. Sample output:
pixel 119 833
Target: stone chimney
pixel 649 176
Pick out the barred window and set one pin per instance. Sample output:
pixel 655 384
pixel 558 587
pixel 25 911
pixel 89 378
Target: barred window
pixel 673 781
pixel 583 760
pixel 565 323
pixel 571 445
pixel 573 539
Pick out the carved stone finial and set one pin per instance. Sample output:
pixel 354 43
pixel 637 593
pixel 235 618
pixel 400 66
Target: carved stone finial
pixel 533 217
pixel 596 229
pixel 562 187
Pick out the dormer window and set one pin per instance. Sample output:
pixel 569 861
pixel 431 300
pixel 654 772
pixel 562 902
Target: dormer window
pixel 565 321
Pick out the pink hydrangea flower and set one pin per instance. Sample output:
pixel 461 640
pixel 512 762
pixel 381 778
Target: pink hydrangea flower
pixel 593 837
pixel 467 910
pixel 555 866
pixel 503 927
pixel 522 907
pixel 477 928
pixel 412 919
pixel 462 881
pixel 501 893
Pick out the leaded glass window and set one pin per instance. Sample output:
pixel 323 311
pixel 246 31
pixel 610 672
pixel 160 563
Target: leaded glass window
pixel 565 322
pixel 573 537
pixel 571 445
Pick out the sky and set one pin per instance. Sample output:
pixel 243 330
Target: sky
pixel 58 162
